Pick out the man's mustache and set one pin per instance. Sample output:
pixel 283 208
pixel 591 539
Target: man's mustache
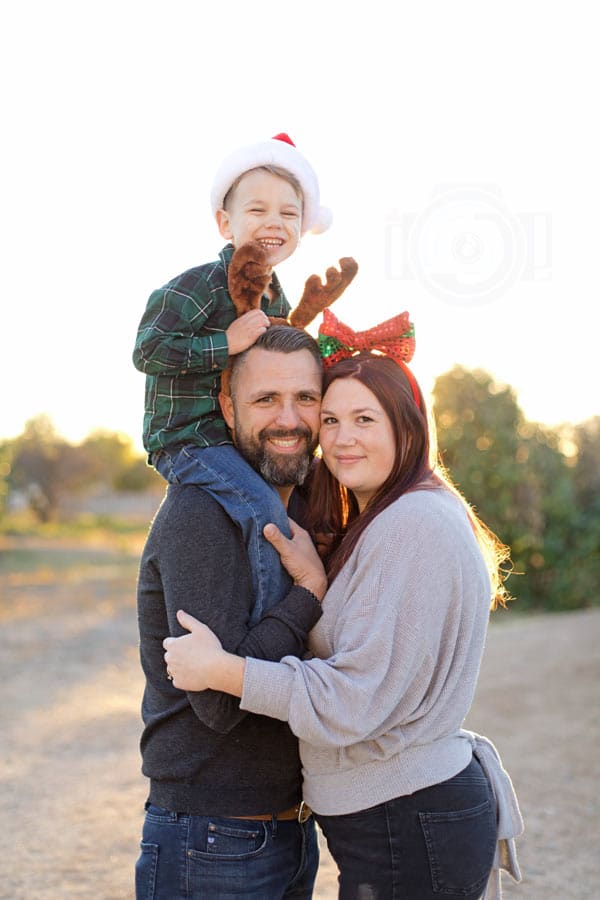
pixel 300 431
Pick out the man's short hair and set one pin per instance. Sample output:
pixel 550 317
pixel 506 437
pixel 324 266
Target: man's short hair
pixel 278 339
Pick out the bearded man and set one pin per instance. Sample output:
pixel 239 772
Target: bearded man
pixel 224 815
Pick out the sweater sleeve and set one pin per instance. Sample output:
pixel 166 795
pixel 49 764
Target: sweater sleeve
pixel 195 560
pixel 400 602
pixel 168 342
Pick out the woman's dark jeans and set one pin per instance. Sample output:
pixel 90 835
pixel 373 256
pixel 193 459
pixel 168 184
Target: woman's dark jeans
pixel 434 844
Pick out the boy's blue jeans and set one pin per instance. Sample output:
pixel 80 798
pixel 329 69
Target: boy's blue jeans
pixel 247 499
pixel 215 858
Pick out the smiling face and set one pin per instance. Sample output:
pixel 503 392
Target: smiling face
pixel 263 207
pixel 274 413
pixel 357 439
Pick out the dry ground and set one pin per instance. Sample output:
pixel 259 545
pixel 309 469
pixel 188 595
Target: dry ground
pixel 71 792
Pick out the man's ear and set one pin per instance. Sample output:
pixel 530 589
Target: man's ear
pixel 227 409
pixel 223 224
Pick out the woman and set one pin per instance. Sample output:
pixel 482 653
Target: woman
pixel 396 785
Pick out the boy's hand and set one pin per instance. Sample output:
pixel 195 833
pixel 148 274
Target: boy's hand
pixel 242 333
pixel 248 276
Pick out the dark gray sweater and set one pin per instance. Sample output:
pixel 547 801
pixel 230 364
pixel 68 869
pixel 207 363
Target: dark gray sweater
pixel 204 755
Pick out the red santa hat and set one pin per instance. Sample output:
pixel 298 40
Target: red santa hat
pixel 277 151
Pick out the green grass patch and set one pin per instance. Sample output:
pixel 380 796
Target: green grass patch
pixel 27 546
pixel 84 526
pixel 31 559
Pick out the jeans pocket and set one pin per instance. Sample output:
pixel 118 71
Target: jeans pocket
pixel 224 841
pixel 145 871
pixel 460 847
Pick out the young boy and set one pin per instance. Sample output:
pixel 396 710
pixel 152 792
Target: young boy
pixel 267 193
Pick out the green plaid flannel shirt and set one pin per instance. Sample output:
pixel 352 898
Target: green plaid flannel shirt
pixel 181 347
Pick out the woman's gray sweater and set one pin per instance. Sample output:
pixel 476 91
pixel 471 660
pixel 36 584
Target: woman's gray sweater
pixel 397 653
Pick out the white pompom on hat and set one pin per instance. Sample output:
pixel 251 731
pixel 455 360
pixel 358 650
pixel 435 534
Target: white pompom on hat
pixel 277 151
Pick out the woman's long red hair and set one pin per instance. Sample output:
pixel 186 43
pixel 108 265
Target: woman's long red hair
pixel 333 510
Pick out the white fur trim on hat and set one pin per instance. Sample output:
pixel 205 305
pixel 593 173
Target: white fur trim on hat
pixel 278 151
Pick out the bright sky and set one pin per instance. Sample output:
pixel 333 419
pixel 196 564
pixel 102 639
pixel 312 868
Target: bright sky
pixel 456 143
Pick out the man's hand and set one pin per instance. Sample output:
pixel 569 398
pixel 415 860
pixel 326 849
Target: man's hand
pixel 248 276
pixel 243 332
pixel 299 557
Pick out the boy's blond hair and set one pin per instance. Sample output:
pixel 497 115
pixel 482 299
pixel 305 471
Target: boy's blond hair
pixel 272 170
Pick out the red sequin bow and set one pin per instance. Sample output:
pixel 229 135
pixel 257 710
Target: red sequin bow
pixel 394 338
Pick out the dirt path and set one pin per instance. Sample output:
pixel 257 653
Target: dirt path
pixel 71 793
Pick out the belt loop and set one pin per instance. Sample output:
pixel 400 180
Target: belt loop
pixel 274 825
pixel 304 812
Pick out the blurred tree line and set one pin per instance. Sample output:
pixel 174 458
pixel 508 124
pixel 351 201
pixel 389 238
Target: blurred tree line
pixel 42 470
pixel 537 487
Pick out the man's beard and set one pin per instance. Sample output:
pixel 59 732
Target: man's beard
pixel 279 469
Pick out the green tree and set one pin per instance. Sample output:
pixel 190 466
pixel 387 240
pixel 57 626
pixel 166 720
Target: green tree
pixel 46 468
pixel 552 559
pixel 42 466
pixel 518 479
pixel 585 533
pixel 478 423
pixel 113 460
pixel 6 456
pixel 586 438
